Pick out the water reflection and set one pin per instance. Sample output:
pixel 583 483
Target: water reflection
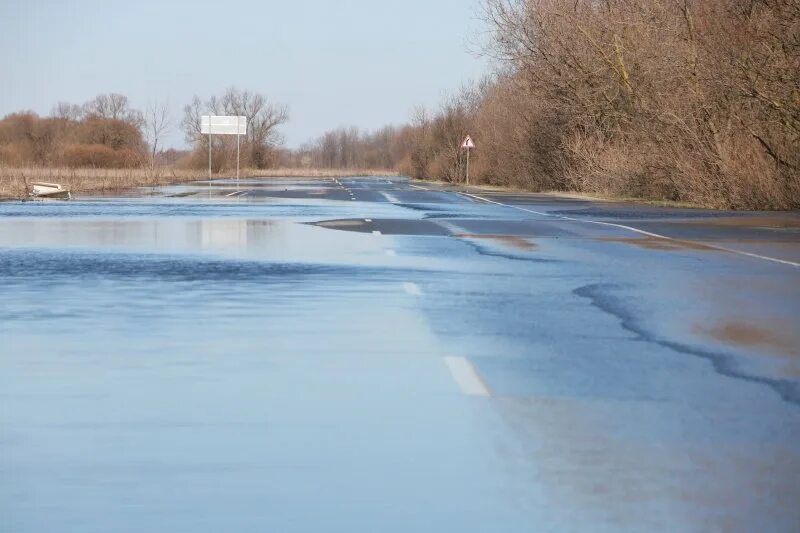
pixel 228 234
pixel 259 239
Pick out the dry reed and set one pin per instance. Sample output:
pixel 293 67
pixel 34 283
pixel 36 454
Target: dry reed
pixel 16 182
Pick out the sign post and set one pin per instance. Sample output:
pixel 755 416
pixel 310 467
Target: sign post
pixel 213 125
pixel 237 152
pixel 468 145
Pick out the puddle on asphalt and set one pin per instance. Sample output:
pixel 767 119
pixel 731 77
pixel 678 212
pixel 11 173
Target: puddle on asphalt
pixel 513 241
pixel 659 468
pixel 747 335
pixel 654 243
pixel 777 222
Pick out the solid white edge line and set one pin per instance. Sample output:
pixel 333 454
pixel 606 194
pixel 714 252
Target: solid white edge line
pixel 376 232
pixel 639 231
pixel 466 377
pixel 418 187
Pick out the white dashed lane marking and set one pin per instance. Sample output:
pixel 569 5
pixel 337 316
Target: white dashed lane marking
pixel 466 377
pixel 412 289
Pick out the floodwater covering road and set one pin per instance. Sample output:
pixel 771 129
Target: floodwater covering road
pixel 372 354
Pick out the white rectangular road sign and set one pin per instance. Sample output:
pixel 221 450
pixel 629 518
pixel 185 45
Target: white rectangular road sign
pixel 212 125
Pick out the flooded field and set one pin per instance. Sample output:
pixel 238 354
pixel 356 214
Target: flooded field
pixel 369 355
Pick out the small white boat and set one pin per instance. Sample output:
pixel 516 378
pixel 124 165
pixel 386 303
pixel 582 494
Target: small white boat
pixel 50 190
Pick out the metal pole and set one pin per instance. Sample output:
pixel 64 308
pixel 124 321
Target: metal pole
pixel 237 153
pixel 468 165
pixel 209 159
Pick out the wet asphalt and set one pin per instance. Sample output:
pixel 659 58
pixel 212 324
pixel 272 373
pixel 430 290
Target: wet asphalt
pixel 376 354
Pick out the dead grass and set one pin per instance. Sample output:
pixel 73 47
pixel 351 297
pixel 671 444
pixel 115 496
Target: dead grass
pixel 16 182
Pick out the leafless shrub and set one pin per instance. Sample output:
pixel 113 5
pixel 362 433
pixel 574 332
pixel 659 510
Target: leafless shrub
pixel 674 99
pixel 98 156
pixel 103 131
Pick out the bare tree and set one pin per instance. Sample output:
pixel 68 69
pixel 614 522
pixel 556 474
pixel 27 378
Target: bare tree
pixel 67 111
pixel 157 122
pixel 113 106
pixel 263 121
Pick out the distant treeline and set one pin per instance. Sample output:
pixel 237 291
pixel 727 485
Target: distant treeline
pixel 684 100
pixel 353 148
pixel 108 133
pixel 104 133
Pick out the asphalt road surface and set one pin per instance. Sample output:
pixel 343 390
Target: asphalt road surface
pixel 372 354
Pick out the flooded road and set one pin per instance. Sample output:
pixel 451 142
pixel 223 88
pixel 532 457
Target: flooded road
pixel 371 354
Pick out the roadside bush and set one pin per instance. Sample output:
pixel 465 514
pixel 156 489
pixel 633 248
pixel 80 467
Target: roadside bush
pixel 99 156
pixel 689 101
pixel 75 135
pixel 111 133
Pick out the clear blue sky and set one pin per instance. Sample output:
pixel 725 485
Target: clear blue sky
pixel 335 63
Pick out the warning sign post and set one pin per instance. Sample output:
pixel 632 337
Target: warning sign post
pixel 468 145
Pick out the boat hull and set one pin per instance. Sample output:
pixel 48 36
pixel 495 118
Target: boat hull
pixel 50 190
